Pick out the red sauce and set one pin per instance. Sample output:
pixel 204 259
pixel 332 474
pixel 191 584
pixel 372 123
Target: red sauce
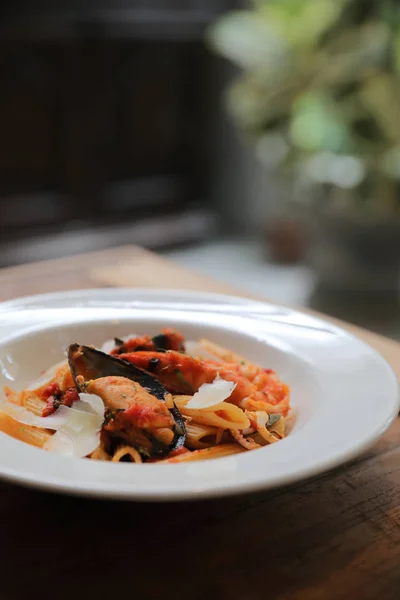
pixel 174 341
pixel 144 343
pixel 178 452
pixel 70 396
pixel 140 415
pixel 53 389
pixel 55 398
pixel 50 407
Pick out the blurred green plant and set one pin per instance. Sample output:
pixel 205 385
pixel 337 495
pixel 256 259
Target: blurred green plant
pixel 319 92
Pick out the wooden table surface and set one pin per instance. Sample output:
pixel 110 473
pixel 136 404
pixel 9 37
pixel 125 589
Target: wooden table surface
pixel 336 536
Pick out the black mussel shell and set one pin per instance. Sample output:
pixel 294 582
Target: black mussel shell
pixel 160 342
pixel 92 364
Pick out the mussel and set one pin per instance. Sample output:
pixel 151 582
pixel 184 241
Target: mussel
pixel 88 364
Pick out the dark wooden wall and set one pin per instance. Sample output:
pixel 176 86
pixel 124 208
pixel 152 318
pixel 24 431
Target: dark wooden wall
pixel 103 109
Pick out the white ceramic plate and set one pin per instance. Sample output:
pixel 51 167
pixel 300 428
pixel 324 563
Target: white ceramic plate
pixel 344 394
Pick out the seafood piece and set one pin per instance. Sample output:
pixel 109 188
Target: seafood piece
pixel 168 339
pixel 139 409
pixel 256 388
pixel 133 414
pixel 92 364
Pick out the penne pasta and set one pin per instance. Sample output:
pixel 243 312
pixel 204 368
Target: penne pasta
pixel 25 433
pixel 223 415
pixel 278 427
pixel 256 437
pixel 205 454
pixel 32 402
pixel 100 454
pixel 127 451
pixel 62 376
pixel 201 436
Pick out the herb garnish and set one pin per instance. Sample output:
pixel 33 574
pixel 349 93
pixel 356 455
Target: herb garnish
pixel 145 453
pixel 180 377
pixel 111 414
pixel 273 419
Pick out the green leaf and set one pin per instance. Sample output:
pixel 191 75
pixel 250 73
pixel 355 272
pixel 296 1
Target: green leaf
pixel 144 452
pixel 273 419
pixel 303 22
pixel 317 125
pixel 180 377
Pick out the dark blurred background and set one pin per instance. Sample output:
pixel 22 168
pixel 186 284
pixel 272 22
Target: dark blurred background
pixel 114 130
pixel 106 114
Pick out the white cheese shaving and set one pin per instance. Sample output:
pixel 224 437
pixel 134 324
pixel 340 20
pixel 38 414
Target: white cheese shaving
pixel 46 376
pixel 262 418
pixel 90 403
pixel 109 345
pixel 77 429
pixel 78 436
pixel 213 393
pixel 26 417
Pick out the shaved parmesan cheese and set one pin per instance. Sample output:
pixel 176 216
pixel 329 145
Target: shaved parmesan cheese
pixel 26 417
pixel 262 418
pixel 78 436
pixel 77 429
pixel 90 403
pixel 213 393
pixel 110 344
pixel 60 443
pixel 46 376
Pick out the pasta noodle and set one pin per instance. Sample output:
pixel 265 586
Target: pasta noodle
pixel 201 436
pixel 127 451
pixel 178 409
pixel 206 454
pixel 100 454
pixel 223 414
pixel 32 402
pixel 278 428
pixel 25 433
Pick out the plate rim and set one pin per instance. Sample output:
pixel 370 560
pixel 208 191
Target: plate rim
pixel 225 489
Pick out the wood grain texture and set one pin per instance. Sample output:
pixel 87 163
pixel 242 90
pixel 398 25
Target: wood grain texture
pixel 335 537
